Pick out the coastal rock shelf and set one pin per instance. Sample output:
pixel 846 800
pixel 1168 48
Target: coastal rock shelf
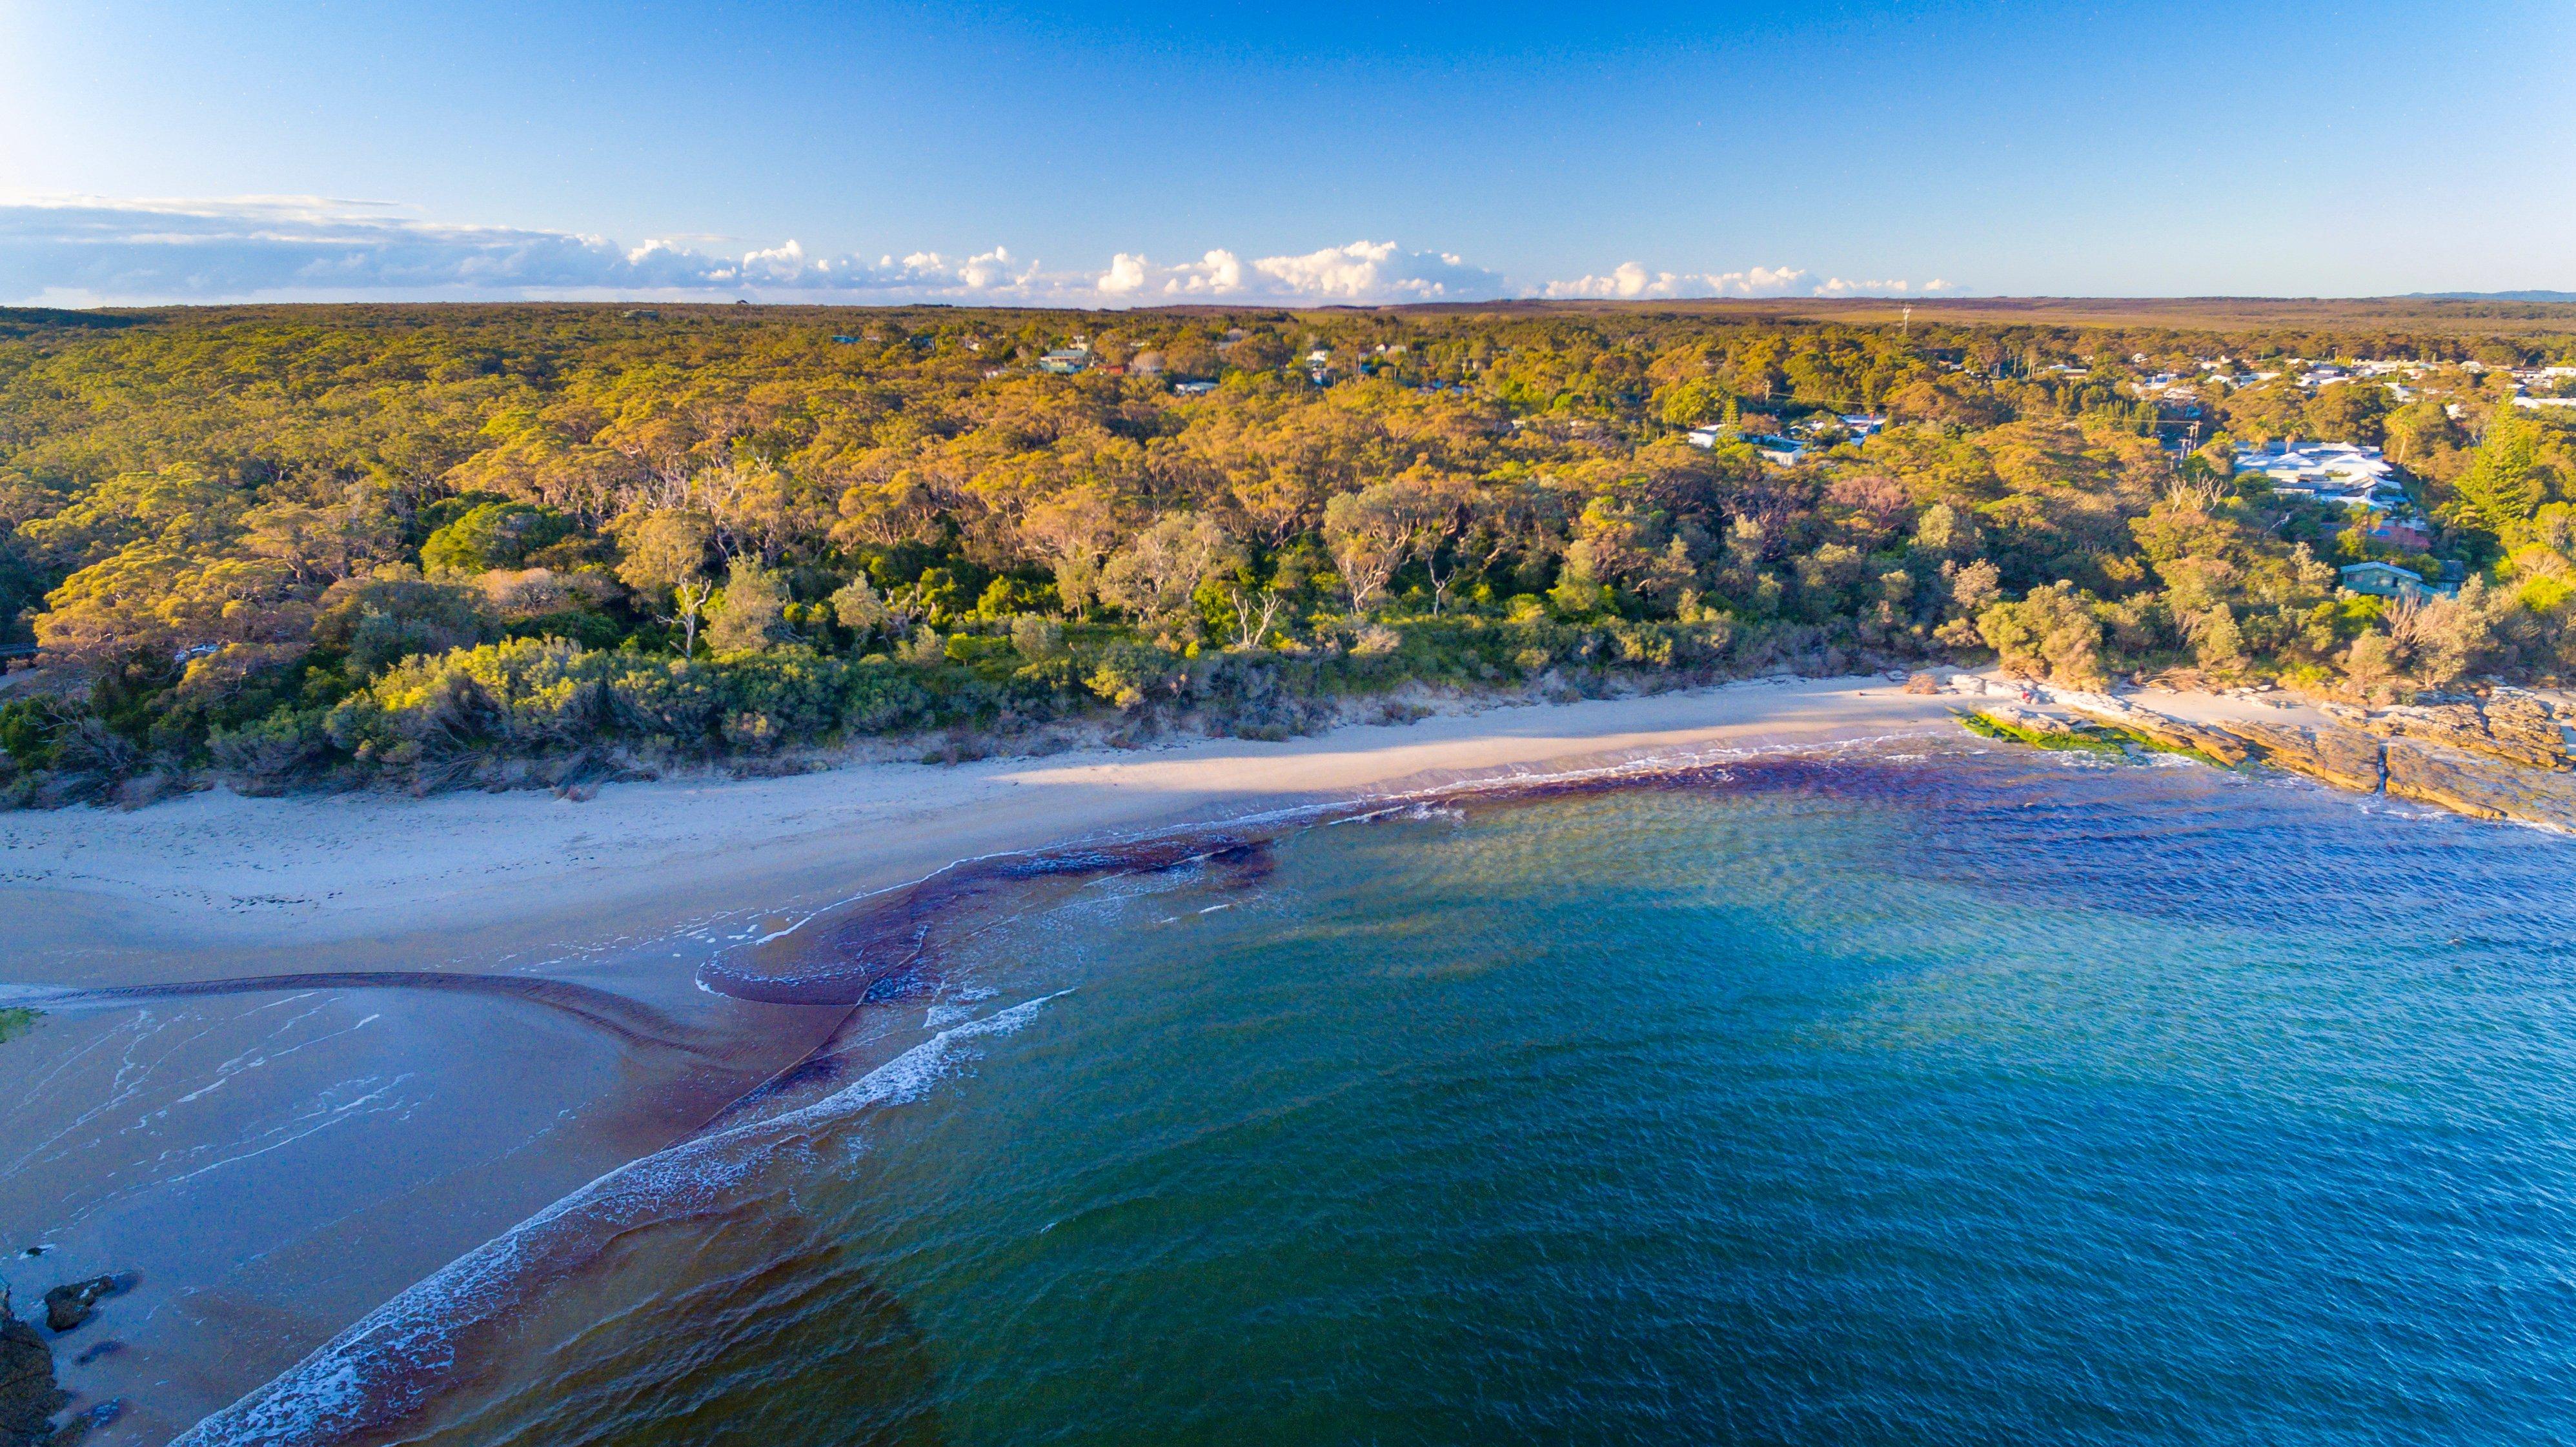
pixel 2502 758
pixel 2156 728
pixel 2345 758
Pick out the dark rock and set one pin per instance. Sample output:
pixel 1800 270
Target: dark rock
pixel 76 1431
pixel 28 1396
pixel 68 1306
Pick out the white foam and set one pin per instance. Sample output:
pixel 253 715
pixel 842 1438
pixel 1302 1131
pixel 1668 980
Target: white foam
pixel 327 1396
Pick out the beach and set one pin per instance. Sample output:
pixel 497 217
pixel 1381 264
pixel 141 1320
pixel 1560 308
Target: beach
pixel 301 1136
pixel 508 876
pixel 300 1053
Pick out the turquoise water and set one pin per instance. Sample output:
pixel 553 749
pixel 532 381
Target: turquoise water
pixel 1971 1098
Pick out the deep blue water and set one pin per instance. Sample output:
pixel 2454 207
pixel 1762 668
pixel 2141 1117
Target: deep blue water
pixel 1978 1097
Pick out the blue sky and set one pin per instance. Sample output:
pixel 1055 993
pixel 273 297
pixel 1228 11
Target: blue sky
pixel 189 150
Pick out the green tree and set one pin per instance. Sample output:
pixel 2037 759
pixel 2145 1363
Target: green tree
pixel 751 613
pixel 493 535
pixel 2501 490
pixel 666 556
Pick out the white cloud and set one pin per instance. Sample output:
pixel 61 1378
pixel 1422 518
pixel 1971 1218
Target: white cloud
pixel 1630 281
pixel 1380 271
pixel 90 250
pixel 1364 271
pixel 1219 273
pixel 83 250
pixel 1126 274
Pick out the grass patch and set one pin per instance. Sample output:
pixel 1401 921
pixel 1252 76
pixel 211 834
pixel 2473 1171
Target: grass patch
pixel 2087 738
pixel 2090 736
pixel 15 1021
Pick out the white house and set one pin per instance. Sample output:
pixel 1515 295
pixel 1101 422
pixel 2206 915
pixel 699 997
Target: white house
pixel 2341 472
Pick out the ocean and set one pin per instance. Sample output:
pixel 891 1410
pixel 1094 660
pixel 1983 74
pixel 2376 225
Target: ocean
pixel 1936 1092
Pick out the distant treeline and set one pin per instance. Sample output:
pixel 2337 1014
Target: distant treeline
pixel 416 543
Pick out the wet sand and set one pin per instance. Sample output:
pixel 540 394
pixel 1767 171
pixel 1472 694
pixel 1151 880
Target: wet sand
pixel 310 1126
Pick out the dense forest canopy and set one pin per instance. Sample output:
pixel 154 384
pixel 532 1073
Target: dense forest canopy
pixel 403 542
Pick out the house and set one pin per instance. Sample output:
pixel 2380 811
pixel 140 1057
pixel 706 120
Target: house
pixel 1193 389
pixel 2338 472
pixel 2383 580
pixel 1068 360
pixel 1783 451
pixel 1863 424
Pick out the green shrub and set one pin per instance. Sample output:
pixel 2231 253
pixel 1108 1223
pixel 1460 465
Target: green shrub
pixel 526 692
pixel 796 693
pixel 585 626
pixel 31 731
pixel 1128 673
pixel 881 696
pixel 274 748
pixel 493 535
pixel 672 701
pixel 378 622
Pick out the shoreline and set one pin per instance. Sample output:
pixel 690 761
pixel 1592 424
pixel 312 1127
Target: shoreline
pixel 220 874
pixel 266 892
pixel 464 1113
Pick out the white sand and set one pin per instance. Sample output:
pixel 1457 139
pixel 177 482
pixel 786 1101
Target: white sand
pixel 489 877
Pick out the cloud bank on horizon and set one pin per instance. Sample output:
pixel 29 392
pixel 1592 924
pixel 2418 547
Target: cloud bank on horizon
pixel 96 251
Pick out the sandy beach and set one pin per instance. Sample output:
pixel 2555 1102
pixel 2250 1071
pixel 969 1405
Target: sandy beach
pixel 295 1139
pixel 510 877
pixel 299 1053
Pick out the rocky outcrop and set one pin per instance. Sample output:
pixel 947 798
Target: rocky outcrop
pixel 2530 722
pixel 29 1397
pixel 2470 784
pixel 68 1306
pixel 2515 726
pixel 2158 729
pixel 2503 758
pixel 2346 758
